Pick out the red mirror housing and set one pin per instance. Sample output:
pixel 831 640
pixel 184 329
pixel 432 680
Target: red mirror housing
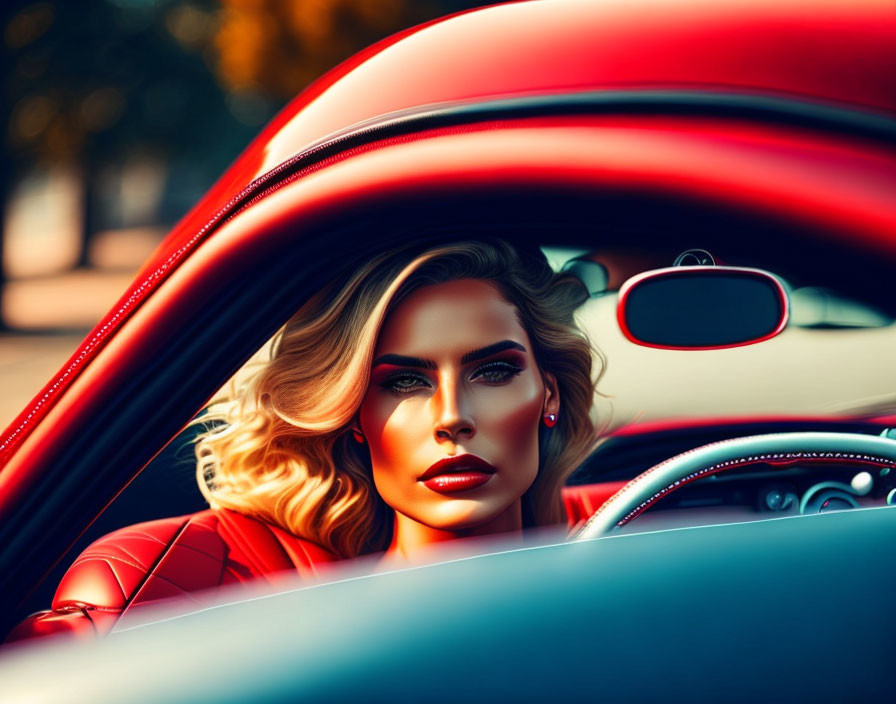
pixel 702 307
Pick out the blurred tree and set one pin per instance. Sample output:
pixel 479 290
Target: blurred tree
pixel 277 47
pixel 96 82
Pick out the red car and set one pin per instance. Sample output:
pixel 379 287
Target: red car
pixel 623 138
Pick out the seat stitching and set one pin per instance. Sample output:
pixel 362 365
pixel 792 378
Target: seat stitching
pixel 155 564
pixel 176 586
pixel 124 594
pixel 104 557
pixel 129 554
pixel 217 558
pixel 181 546
pixel 93 551
pixel 142 534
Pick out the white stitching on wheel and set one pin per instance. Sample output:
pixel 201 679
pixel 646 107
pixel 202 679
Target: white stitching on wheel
pixel 798 454
pixel 742 461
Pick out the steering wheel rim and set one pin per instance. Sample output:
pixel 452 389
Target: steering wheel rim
pixel 773 448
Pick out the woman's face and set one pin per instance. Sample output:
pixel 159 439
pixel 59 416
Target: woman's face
pixel 452 412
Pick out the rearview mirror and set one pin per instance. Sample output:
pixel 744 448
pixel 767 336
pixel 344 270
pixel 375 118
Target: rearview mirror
pixel 702 307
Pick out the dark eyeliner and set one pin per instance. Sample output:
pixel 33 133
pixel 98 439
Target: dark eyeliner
pixel 390 383
pixel 505 368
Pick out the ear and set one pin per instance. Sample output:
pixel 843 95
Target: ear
pixel 551 394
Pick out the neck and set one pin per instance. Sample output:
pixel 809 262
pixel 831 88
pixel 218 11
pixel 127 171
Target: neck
pixel 413 542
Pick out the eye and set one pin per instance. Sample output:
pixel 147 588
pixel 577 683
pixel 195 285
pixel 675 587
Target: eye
pixel 405 383
pixel 497 372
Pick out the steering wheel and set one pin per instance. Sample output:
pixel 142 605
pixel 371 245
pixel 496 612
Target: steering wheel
pixel 775 449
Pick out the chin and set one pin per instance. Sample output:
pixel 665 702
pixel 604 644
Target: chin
pixel 463 514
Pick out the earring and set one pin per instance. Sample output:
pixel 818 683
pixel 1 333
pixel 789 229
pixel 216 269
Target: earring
pixel 550 420
pixel 356 434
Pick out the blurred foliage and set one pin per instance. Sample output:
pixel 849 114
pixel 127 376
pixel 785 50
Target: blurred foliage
pixel 99 79
pixel 177 85
pixel 279 46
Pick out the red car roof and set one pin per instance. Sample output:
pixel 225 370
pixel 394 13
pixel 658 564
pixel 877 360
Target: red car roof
pixel 838 51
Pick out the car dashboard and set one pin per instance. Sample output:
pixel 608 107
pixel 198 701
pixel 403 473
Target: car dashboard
pixel 758 491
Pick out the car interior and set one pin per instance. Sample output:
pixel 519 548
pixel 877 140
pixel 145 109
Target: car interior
pixel 836 298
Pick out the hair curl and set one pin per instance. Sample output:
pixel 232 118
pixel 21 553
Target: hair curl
pixel 282 451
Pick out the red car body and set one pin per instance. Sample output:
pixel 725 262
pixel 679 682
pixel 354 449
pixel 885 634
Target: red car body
pixel 780 113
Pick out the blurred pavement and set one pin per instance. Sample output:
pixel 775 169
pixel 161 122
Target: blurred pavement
pixel 72 303
pixel 26 364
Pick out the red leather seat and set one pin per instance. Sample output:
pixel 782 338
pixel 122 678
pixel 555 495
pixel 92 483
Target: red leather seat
pixel 115 578
pixel 120 574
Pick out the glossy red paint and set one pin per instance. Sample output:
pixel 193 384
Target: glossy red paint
pixel 838 52
pixel 647 275
pixel 526 48
pixel 535 47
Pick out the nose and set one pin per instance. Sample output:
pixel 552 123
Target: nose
pixel 453 420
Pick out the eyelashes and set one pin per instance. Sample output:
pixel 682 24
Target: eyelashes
pixel 498 372
pixel 494 373
pixel 403 383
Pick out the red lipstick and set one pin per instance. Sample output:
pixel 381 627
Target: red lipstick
pixel 457 474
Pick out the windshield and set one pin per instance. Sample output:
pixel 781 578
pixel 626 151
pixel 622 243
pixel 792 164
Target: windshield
pixel 831 359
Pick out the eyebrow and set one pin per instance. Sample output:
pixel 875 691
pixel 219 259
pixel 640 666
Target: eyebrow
pixel 490 350
pixel 400 360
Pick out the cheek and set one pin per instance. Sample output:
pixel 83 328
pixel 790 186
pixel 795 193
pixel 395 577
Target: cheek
pixel 393 431
pixel 392 428
pixel 510 421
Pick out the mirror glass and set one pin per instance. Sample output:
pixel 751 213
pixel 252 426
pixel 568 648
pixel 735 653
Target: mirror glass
pixel 702 307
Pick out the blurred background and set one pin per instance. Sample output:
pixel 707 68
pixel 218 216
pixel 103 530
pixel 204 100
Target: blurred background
pixel 119 115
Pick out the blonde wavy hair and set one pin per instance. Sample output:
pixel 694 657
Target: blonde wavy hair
pixel 280 448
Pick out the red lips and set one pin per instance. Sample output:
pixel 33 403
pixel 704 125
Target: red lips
pixel 457 474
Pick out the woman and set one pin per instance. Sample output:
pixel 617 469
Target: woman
pixel 450 389
pixel 429 397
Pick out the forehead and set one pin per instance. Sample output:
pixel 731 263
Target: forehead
pixel 453 317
